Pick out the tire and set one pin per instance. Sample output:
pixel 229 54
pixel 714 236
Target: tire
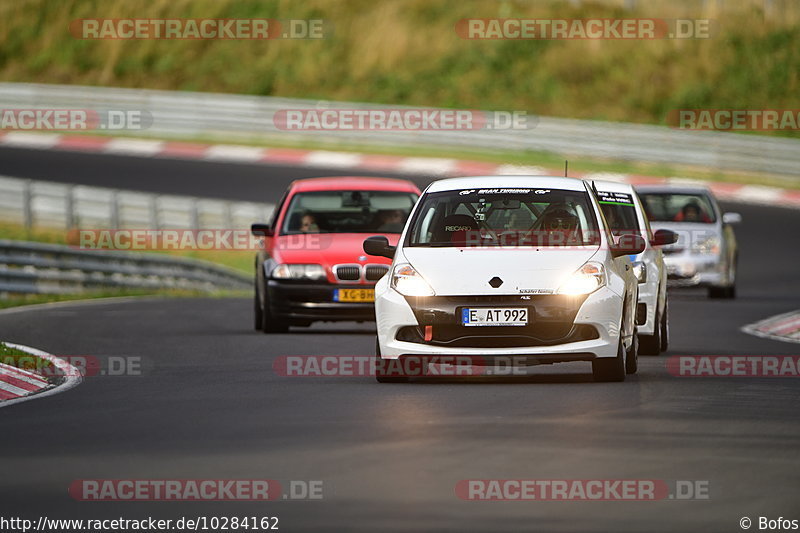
pixel 608 369
pixel 651 344
pixel 632 357
pixel 258 313
pixel 269 322
pixel 665 328
pixel 722 292
pixel 729 291
pixel 654 344
pixel 379 366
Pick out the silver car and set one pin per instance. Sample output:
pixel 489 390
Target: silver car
pixel 705 254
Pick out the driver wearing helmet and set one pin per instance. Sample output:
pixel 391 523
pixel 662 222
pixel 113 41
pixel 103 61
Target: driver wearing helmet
pixel 559 223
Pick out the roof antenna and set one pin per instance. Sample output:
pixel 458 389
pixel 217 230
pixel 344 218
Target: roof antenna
pixel 566 167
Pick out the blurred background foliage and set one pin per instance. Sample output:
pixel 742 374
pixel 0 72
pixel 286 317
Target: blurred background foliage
pixel 407 52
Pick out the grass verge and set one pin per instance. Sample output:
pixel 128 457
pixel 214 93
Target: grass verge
pixel 17 300
pixel 241 260
pixel 20 359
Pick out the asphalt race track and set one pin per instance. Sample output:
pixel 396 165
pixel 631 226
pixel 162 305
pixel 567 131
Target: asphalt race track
pixel 209 405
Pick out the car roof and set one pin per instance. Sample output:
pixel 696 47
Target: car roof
pixel 510 181
pixel 353 183
pixel 612 186
pixel 676 188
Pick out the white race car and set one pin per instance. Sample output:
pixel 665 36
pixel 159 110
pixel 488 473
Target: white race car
pixel 499 266
pixel 625 214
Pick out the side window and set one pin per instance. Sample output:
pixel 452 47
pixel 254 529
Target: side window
pixel 643 214
pixel 604 226
pixel 425 229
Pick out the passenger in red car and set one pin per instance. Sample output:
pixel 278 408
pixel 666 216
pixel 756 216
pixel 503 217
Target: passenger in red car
pixel 308 224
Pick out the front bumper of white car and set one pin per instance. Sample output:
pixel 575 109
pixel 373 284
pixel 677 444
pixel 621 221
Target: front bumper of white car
pixel 561 328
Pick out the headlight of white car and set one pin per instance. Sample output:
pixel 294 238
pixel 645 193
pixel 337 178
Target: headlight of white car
pixel 640 271
pixel 408 282
pixel 309 272
pixel 709 245
pixel 585 280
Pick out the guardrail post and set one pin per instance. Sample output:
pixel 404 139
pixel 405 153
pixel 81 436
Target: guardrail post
pixel 154 212
pixel 194 213
pixel 227 215
pixel 115 210
pixel 27 207
pixel 70 201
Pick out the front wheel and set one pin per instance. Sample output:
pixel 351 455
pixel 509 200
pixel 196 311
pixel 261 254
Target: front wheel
pixel 728 291
pixel 269 322
pixel 651 344
pixel 610 369
pixel 258 313
pixel 632 356
pixel 664 326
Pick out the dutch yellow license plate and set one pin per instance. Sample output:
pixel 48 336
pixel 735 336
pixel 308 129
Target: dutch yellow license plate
pixel 354 295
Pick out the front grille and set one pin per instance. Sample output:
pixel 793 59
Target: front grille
pixel 672 251
pixel 500 337
pixel 347 272
pixel 489 299
pixel 376 272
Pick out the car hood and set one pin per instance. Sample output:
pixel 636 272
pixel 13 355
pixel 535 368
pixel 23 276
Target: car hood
pixel 467 271
pixel 326 248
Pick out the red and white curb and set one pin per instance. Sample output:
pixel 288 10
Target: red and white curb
pixel 785 327
pixel 17 385
pixel 753 194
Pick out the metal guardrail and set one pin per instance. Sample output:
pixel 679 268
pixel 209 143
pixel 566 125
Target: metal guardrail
pixel 193 114
pixel 32 267
pixel 57 205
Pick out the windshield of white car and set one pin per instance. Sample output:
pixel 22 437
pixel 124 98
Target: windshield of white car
pixel 348 212
pixel 619 212
pixel 504 217
pixel 678 207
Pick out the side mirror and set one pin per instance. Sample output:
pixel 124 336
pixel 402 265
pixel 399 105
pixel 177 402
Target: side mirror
pixel 628 244
pixel 731 218
pixel 379 246
pixel 261 230
pixel 663 237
